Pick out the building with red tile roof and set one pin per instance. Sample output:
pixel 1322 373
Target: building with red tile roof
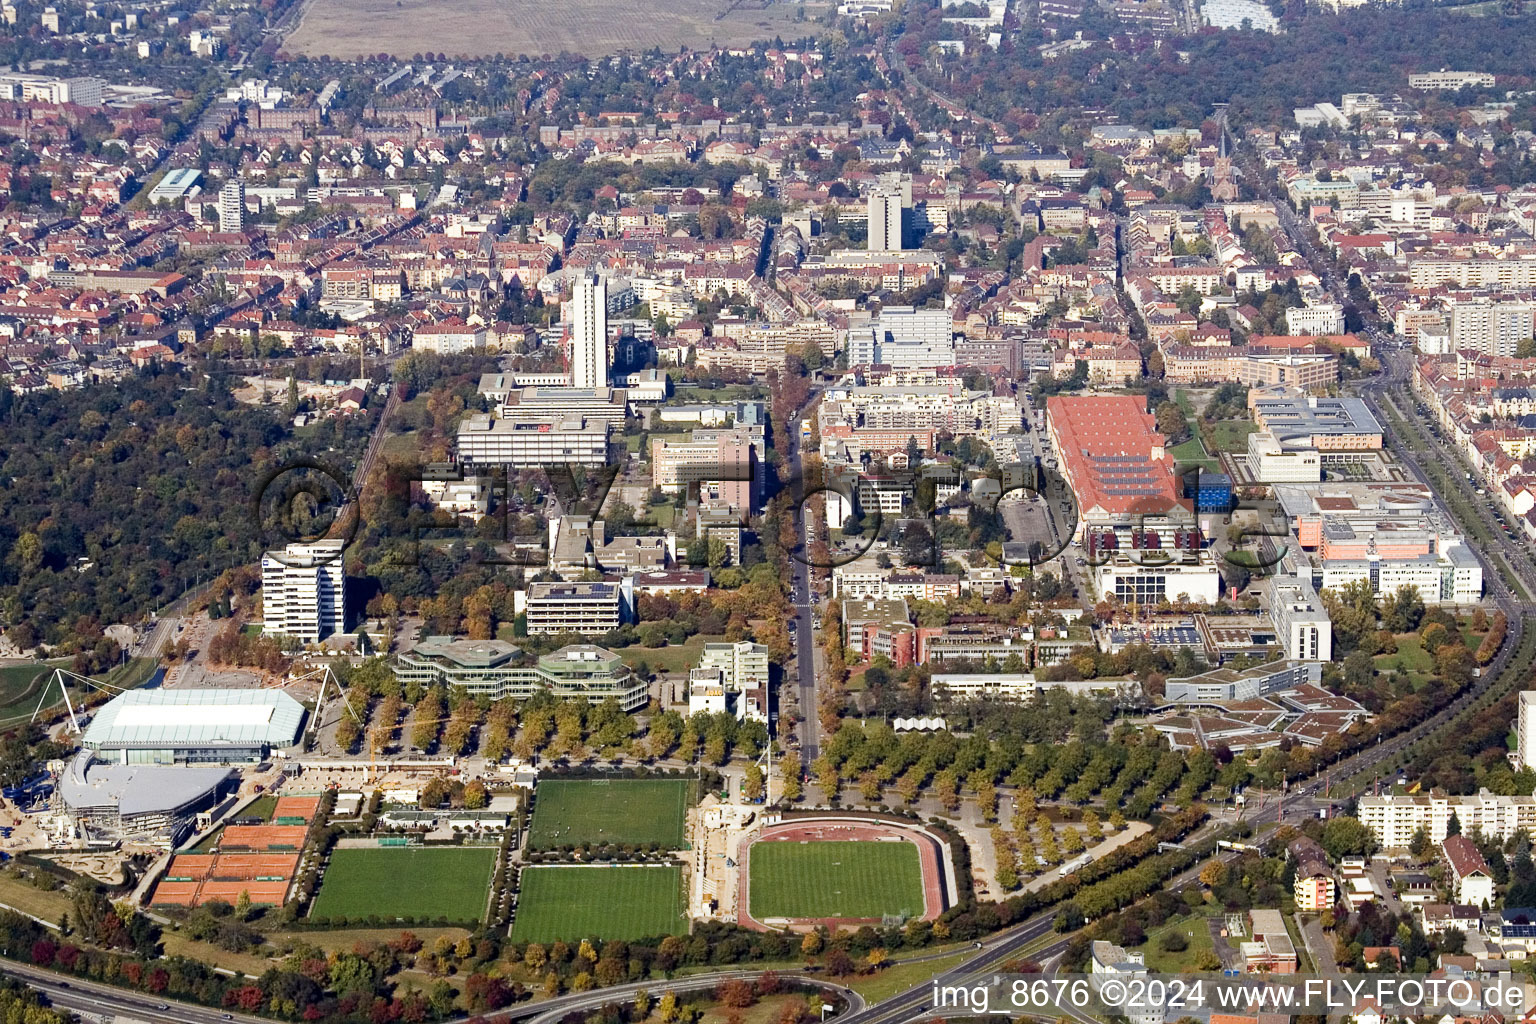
pixel 1115 461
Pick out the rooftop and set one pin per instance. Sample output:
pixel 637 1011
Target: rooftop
pixel 136 788
pixel 164 718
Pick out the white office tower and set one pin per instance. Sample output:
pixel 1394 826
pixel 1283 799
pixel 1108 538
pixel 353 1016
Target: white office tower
pixel 589 343
pixel 884 220
pixel 1525 731
pixel 232 206
pixel 303 591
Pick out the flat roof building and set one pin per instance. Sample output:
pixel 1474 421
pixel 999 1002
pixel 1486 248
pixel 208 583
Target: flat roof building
pixel 497 669
pixel 1327 424
pixel 590 609
pixel 193 726
pixel 520 444
pixel 142 802
pixel 303 591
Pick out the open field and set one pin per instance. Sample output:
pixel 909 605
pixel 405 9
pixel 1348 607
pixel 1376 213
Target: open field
pixel 620 902
pixel 676 658
pixel 835 879
pixel 419 882
pixel 482 28
pixel 582 812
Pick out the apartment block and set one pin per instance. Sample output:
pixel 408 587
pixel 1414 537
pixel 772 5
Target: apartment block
pixel 303 591
pixel 1393 819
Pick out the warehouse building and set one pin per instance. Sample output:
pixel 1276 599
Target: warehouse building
pixel 171 727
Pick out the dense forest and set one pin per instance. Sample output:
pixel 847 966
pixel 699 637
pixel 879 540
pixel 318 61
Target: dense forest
pixel 1264 76
pixel 114 499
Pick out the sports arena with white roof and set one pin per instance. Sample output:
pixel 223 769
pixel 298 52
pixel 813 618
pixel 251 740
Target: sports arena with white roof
pixel 193 726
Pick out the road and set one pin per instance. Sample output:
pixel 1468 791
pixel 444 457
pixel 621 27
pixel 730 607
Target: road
pixel 803 601
pixel 83 996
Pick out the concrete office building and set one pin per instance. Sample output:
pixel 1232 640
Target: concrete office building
pixel 1270 462
pixel 1301 621
pixel 493 668
pixel 232 206
pixel 484 441
pixel 722 465
pixel 589 339
pixel 884 211
pixel 1223 685
pixel 1325 318
pixel 590 609
pixel 904 338
pixel 303 591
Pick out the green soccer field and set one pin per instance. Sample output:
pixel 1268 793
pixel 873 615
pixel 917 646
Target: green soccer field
pixel 604 902
pixel 835 879
pixel 421 882
pixel 587 812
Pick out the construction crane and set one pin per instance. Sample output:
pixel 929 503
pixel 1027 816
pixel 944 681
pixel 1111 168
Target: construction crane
pixel 373 746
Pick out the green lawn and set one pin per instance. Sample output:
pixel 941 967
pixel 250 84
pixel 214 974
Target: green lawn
pixel 1194 930
pixel 617 902
pixel 835 879
pixel 675 658
pixel 420 882
pixel 1411 656
pixel 1193 453
pixel 262 807
pixel 22 685
pixel 1231 435
pixel 585 812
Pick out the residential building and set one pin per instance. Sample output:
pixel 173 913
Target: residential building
pixel 1525 731
pixel 904 338
pixel 742 671
pixel 1493 327
pixel 884 211
pixel 1394 818
pixel 589 339
pixel 1315 889
pixel 1108 959
pixel 232 206
pixel 1471 880
pixel 303 591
